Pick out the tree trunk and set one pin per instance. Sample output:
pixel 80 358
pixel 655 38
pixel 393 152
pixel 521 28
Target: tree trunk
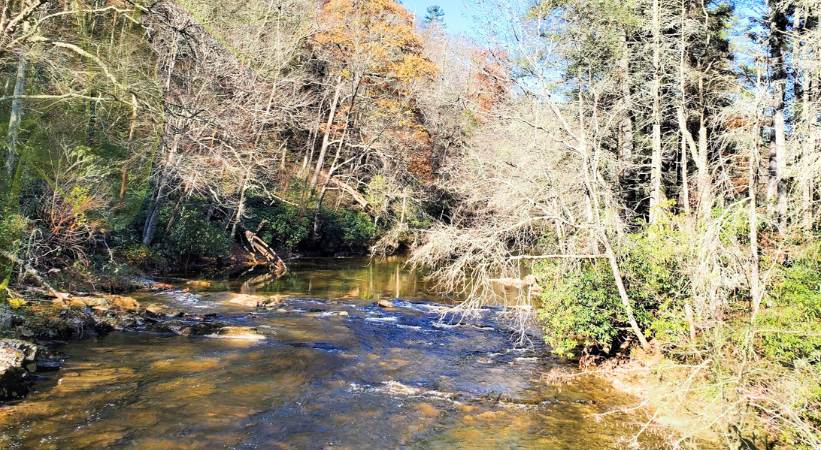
pixel 627 128
pixel 777 192
pixel 656 193
pixel 752 186
pixel 682 116
pixel 625 299
pixel 809 113
pixel 15 118
pixel 158 194
pixel 326 139
pixel 808 131
pixel 241 204
pixel 123 185
pixel 755 280
pixel 705 194
pixel 153 215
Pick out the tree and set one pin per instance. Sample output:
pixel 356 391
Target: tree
pixel 374 61
pixel 435 16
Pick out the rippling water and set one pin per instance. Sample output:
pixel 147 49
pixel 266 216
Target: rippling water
pixel 326 368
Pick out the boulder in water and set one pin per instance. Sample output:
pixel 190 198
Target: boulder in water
pixel 15 380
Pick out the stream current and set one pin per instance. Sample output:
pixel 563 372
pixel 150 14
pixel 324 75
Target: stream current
pixel 325 368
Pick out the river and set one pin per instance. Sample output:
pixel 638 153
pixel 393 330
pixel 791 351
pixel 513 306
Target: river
pixel 326 368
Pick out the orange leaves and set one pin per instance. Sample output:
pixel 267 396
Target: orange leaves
pixel 413 67
pixel 490 85
pixel 374 42
pixel 374 37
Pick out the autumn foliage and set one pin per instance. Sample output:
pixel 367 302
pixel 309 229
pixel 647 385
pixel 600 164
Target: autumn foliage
pixel 373 45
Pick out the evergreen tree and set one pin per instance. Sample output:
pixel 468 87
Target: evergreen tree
pixel 435 15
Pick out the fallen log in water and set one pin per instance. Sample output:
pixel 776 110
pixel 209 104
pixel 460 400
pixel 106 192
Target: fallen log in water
pixel 256 246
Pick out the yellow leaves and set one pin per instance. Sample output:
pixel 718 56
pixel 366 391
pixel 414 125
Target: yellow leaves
pixel 375 36
pixel 16 302
pixel 375 41
pixel 414 67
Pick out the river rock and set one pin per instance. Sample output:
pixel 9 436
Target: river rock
pixel 76 303
pixel 385 304
pixel 271 302
pixel 193 326
pixel 245 300
pixel 199 284
pixel 243 333
pixel 15 380
pixel 154 309
pixel 124 303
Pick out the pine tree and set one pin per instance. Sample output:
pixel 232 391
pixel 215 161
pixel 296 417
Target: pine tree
pixel 435 15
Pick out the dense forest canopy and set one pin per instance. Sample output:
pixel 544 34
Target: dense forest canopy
pixel 632 176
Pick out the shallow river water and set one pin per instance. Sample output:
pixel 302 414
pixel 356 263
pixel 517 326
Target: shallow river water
pixel 327 369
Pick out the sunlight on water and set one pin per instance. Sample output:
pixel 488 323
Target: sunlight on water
pixel 322 369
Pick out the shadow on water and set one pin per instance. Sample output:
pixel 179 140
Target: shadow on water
pixel 326 369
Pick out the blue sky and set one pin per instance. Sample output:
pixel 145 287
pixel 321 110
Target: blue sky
pixel 458 19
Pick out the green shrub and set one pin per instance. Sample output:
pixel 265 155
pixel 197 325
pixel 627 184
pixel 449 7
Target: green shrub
pixel 791 324
pixel 581 310
pixel 345 230
pixel 655 276
pixel 192 236
pixel 284 228
pixel 358 228
pixel 12 230
pixel 142 256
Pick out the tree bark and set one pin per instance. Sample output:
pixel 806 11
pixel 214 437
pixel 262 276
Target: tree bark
pixel 808 132
pixel 705 194
pixel 752 186
pixel 656 193
pixel 777 192
pixel 682 116
pixel 627 128
pixel 241 204
pixel 15 118
pixel 326 138
pixel 807 188
pixel 625 299
pixel 158 194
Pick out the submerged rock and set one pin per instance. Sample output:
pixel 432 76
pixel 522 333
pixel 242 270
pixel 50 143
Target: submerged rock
pixel 246 300
pixel 199 284
pixel 48 363
pixel 243 333
pixel 191 326
pixel 15 380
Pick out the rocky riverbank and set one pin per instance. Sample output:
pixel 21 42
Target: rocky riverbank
pixel 28 331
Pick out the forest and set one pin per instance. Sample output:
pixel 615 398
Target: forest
pixel 635 183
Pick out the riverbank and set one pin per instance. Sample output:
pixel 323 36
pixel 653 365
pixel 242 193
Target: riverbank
pixel 666 391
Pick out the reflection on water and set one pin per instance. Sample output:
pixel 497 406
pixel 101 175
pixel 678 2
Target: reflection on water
pixel 336 278
pixel 323 370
